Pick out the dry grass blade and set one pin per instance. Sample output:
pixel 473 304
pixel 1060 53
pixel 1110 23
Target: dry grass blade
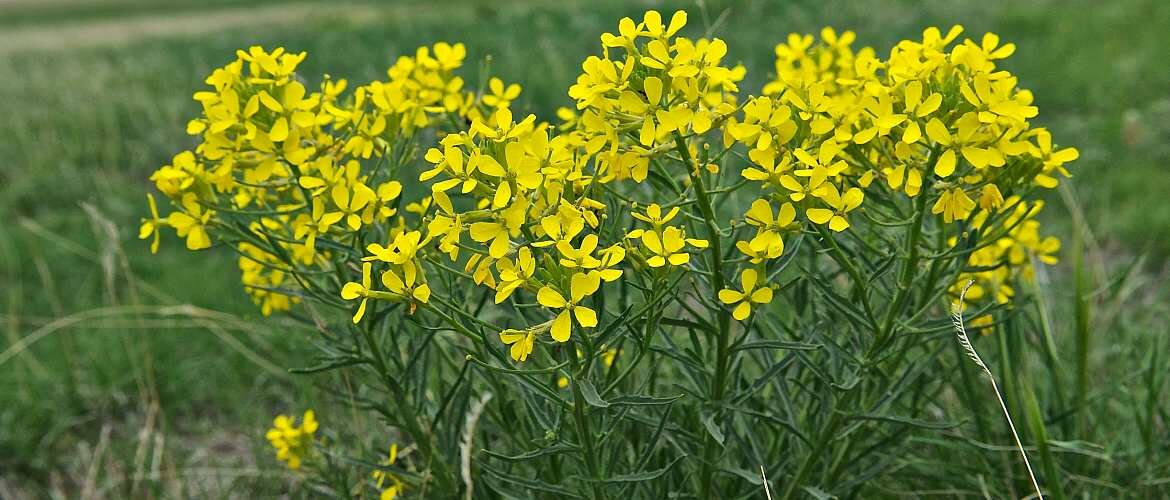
pixel 965 342
pixel 465 445
pixel 764 476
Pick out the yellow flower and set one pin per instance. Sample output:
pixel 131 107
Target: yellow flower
pixel 514 275
pixel 996 99
pixel 610 259
pixel 760 216
pixel 501 96
pixel 192 223
pixel 763 246
pixel 328 175
pixel 883 119
pixel 904 177
pixel 769 172
pixel 563 225
pixel 581 285
pixel 407 286
pixel 380 209
pixel 401 250
pixel 653 27
pixel 750 294
pixel 494 234
pixel 990 198
pixel 293 443
pixel 654 217
pixel 579 257
pixel 953 204
pixel 381 476
pixel 354 290
pixel 1053 160
pixel 798 191
pixel 840 206
pixel 667 247
pixel 964 142
pixel 350 203
pixel 448 230
pixel 150 227
pixel 522 342
pixel 822 162
pixel 521 169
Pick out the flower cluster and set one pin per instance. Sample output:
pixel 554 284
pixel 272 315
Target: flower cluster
pixel 633 105
pixel 507 193
pixel 279 173
pixel 932 120
pixel 1009 255
pixel 293 443
pixel 615 249
pixel 525 192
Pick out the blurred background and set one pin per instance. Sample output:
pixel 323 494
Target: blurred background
pixel 125 374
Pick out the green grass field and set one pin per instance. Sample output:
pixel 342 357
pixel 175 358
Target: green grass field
pixel 125 374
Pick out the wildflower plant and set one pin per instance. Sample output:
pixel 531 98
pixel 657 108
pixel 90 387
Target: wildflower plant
pixel 674 284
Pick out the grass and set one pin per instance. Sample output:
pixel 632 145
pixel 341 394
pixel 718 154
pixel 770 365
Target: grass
pixel 132 395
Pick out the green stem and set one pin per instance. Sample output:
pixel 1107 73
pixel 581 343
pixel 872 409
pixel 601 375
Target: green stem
pixel 858 281
pixel 584 431
pixel 409 416
pixel 818 449
pixel 723 340
pixel 908 268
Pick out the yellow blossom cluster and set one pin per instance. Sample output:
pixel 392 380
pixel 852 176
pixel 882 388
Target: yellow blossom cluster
pixel 293 443
pixel 1009 255
pixel 633 105
pixel 389 483
pixel 303 182
pixel 935 119
pixel 528 196
pixel 279 172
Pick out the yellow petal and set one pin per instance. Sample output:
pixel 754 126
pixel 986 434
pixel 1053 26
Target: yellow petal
pixel 548 297
pixel 586 317
pixel 653 87
pixel 838 223
pixel 422 293
pixel 512 336
pixel 361 311
pixel 819 215
pixel 583 285
pixel 748 279
pixel 946 164
pixel 938 132
pixel 279 130
pixel 762 296
pixel 352 290
pixel 742 311
pixel 729 296
pixel 562 327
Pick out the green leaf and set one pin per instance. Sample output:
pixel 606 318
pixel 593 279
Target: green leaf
pixel 639 476
pixel 590 394
pixel 635 400
pixel 913 422
pixel 331 364
pixel 532 484
pixel 713 428
pixel 542 452
pixel 747 475
pixel 778 344
pixel 818 493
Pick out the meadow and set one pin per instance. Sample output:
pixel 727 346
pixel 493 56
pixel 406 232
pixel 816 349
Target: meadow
pixel 126 374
